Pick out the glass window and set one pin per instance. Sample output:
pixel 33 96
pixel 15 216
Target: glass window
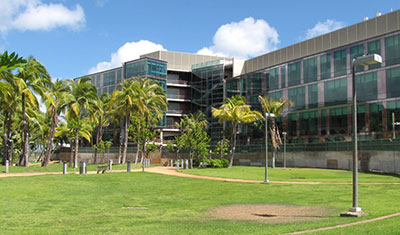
pixel 392 82
pixel 242 86
pixel 119 75
pixel 335 91
pixel 283 77
pixel 309 123
pixel 361 120
pixel 157 69
pixel 97 80
pixel 273 79
pixel 376 117
pixel 135 69
pixel 325 66
pixel 254 83
pixel 310 70
pixel 232 88
pixel 275 95
pixel 111 89
pixel 340 62
pixel 338 120
pixel 374 47
pixel 323 122
pixel 392 107
pixel 298 96
pixel 392 50
pixel 313 96
pixel 105 89
pixel 292 124
pixel 355 52
pixel 109 78
pixel 367 86
pixel 294 72
pixel 173 106
pixel 172 91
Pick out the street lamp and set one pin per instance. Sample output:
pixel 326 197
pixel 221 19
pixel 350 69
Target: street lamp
pixel 266 181
pixel 284 150
pixel 362 60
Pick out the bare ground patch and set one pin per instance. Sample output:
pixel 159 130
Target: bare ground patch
pixel 270 213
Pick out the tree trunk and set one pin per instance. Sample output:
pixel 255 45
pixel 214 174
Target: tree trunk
pixel 233 142
pixel 50 140
pixel 191 163
pixel 98 139
pixel 24 159
pixel 126 124
pixel 137 154
pixel 273 157
pixel 5 139
pixel 71 154
pixel 76 149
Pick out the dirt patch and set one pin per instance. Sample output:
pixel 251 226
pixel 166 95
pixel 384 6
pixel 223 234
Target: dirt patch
pixel 267 213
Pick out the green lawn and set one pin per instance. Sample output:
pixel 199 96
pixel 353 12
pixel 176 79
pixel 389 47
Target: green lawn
pixel 92 204
pixel 57 167
pixel 292 174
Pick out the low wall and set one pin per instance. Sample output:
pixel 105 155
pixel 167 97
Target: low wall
pixel 103 158
pixel 385 161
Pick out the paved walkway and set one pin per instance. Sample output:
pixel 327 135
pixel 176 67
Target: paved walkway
pixel 172 171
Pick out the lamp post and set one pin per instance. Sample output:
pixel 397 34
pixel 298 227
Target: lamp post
pixel 284 150
pixel 362 60
pixel 266 181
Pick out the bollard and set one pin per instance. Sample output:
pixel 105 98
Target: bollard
pixel 171 162
pixel 84 168
pixel 64 168
pixel 7 165
pixel 128 166
pixel 177 165
pixel 187 164
pixel 81 168
pixel 110 162
pixel 148 162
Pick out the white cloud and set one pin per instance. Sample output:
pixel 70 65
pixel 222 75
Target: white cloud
pixel 129 51
pixel 34 15
pixel 323 28
pixel 243 39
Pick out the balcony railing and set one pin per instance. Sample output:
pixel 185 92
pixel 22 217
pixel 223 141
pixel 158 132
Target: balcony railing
pixel 183 97
pixel 183 82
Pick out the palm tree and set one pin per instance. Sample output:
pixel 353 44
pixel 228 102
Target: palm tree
pixel 56 101
pixel 32 77
pixel 8 93
pixel 276 107
pixel 236 111
pixel 137 96
pixel 81 106
pixel 101 119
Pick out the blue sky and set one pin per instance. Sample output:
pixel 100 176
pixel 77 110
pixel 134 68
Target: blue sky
pixel 72 37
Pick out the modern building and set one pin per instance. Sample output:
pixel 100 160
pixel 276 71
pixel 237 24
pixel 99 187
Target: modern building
pixel 315 74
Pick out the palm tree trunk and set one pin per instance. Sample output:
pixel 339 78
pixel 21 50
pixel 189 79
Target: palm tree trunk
pixel 76 148
pixel 233 141
pixel 137 153
pixel 143 156
pixel 25 157
pixel 98 137
pixel 126 124
pixel 5 139
pixel 71 155
pixel 50 140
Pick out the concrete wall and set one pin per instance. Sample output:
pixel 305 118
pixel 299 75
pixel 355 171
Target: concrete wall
pixel 103 158
pixel 385 161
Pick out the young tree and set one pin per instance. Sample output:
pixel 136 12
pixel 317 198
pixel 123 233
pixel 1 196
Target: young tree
pixel 101 119
pixel 236 111
pixel 276 107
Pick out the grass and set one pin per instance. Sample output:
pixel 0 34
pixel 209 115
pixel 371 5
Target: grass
pixel 57 167
pixel 292 174
pixel 92 204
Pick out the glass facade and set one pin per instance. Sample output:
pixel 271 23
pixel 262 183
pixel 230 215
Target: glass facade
pixel 294 74
pixel 321 87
